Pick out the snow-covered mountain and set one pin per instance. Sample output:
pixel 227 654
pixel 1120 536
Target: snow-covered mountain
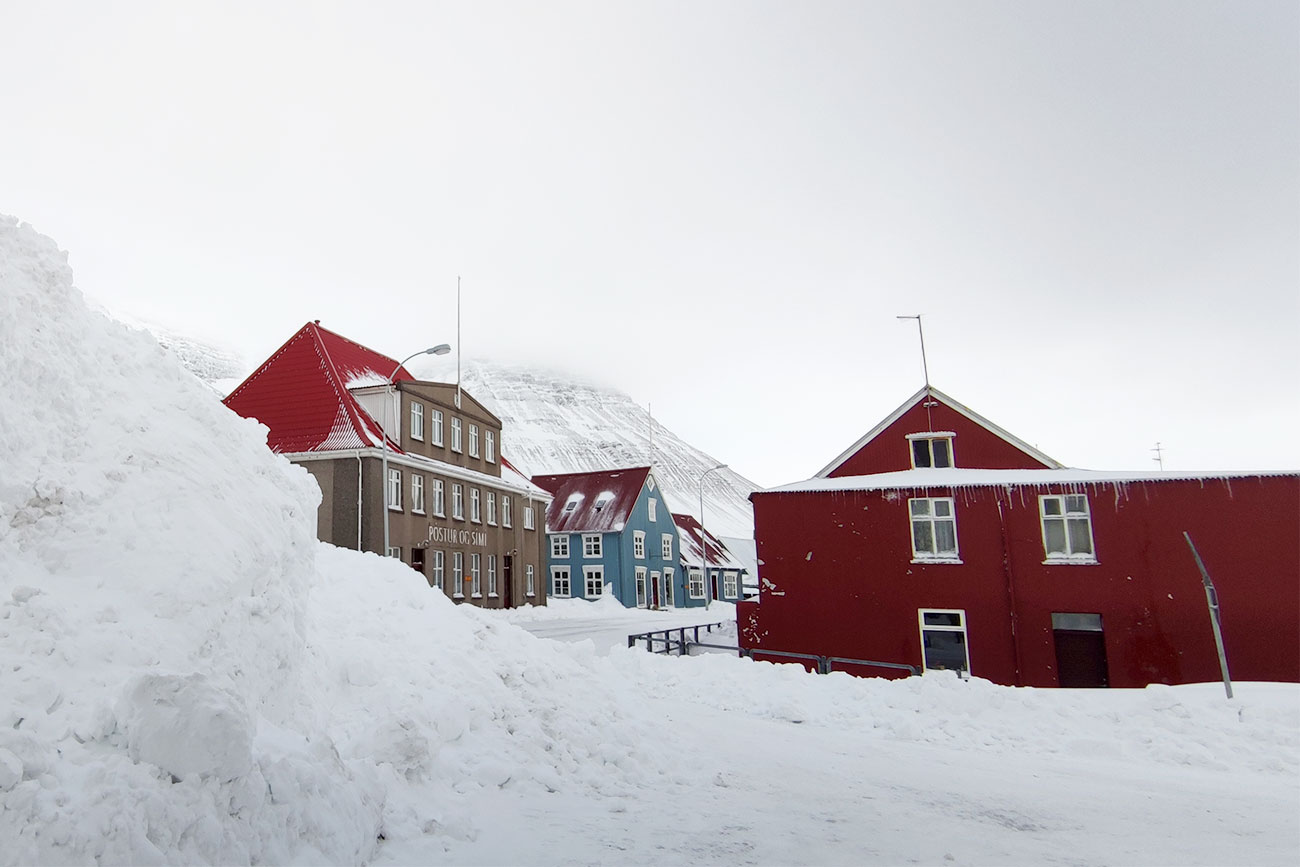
pixel 555 422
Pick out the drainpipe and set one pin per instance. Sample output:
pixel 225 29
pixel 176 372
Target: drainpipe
pixel 1011 591
pixel 358 503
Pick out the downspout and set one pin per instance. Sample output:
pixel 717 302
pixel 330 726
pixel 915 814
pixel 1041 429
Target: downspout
pixel 1011 591
pixel 358 502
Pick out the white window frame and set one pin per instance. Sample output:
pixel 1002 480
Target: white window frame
pixel 695 582
pixel 435 427
pixel 638 544
pixel 476 575
pixel 456 428
pixel 652 509
pixel 666 546
pixel 530 581
pixel 505 510
pixel 394 489
pixel 489 446
pixel 473 440
pixel 730 585
pixel 492 575
pixel 458 501
pixel 458 574
pixel 642 587
pixel 395 552
pixel 417 421
pixel 592 546
pixel 930 438
pixel 561 574
pixel 669 595
pixel 933 555
pixel 923 628
pixel 475 506
pixel 417 493
pixel 593 574
pixel 439 570
pixel 529 520
pixel 1069 556
pixel 439 499
pixel 560 546
pixel 492 508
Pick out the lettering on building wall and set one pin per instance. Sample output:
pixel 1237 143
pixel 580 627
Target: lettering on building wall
pixel 454 536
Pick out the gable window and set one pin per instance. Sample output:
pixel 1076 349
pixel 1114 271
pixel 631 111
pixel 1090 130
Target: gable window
pixel 489 446
pixel 594 578
pixel 560 546
pixel 473 440
pixel 696 588
pixel 395 489
pixel 439 569
pixel 641 587
pixel 931 449
pixel 560 582
pixel 730 586
pixel 476 575
pixel 943 639
pixel 934 529
pixel 530 584
pixel 491 508
pixel 435 426
pixel 668 586
pixel 528 518
pixel 439 499
pixel 457 501
pixel 474 514
pixel 1067 528
pixel 638 544
pixel 492 574
pixel 417 421
pixel 505 510
pixel 666 546
pixel 417 493
pixel 455 434
pixel 458 574
pixel 653 506
pixel 591 546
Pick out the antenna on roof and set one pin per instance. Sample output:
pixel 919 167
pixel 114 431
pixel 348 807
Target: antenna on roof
pixel 1160 456
pixel 650 425
pixel 929 398
pixel 457 341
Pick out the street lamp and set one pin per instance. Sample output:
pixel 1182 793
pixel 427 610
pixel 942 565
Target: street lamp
pixel 704 548
pixel 440 349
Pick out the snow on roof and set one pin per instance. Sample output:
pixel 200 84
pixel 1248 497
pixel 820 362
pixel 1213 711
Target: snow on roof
pixel 511 475
pixel 690 532
pixel 591 513
pixel 957 477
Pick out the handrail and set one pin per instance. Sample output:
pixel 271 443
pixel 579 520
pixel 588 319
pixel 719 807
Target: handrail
pixel 824 664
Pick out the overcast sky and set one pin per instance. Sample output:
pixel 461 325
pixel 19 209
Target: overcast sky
pixel 719 207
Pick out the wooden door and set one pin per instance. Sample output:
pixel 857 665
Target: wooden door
pixel 1081 658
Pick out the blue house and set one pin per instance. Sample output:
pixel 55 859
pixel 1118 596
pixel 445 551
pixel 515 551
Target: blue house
pixel 722 576
pixel 610 533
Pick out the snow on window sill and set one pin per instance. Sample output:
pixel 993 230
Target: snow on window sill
pixel 531 594
pixel 940 561
pixel 494 595
pixel 1070 560
pixel 417 511
pixel 458 596
pixel 476 596
pixel 394 508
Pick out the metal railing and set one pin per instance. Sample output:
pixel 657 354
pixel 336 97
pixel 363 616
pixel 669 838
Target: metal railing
pixel 664 637
pixel 682 646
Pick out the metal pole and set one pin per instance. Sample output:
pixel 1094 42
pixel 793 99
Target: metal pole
pixel 440 349
pixel 1212 600
pixel 925 367
pixel 704 546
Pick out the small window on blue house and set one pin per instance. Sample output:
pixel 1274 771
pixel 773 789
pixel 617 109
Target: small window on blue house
pixel 591 546
pixel 653 506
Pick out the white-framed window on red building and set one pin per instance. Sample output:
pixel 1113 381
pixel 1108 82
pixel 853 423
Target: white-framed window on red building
pixel 934 529
pixel 943 639
pixel 1067 528
pixel 931 449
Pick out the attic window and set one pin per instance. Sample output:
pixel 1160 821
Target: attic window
pixel 931 449
pixel 572 504
pixel 603 500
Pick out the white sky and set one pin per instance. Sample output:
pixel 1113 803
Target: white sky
pixel 718 206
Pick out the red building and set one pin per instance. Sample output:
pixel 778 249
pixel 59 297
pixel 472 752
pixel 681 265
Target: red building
pixel 940 540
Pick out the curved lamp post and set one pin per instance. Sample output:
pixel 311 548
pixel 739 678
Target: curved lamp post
pixel 704 546
pixel 440 349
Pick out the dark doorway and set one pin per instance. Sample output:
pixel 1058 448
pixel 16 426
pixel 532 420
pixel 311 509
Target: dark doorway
pixel 508 582
pixel 417 560
pixel 1080 651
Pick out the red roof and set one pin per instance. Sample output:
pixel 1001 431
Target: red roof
pixel 601 501
pixel 301 393
pixel 690 532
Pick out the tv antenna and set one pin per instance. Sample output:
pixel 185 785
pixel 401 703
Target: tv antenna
pixel 1160 455
pixel 925 368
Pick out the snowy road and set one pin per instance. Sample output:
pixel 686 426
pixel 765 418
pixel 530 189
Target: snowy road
pixel 610 632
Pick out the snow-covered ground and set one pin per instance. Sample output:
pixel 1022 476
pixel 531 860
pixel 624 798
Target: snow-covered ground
pixel 189 677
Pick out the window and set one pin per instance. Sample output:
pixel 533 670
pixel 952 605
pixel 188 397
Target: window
pixel 528 518
pixel 455 434
pixel 475 514
pixel 458 574
pixel 943 640
pixel 560 582
pixel 417 421
pixel 653 506
pixel 395 488
pixel 492 574
pixel 934 529
pixel 395 552
pixel 730 588
pixel 435 426
pixel 530 586
pixel 696 588
pixel 666 546
pixel 439 569
pixel 560 546
pixel 640 587
pixel 595 581
pixel 505 510
pixel 603 499
pixel 417 493
pixel 591 546
pixel 457 501
pixel 491 508
pixel 439 500
pixel 1067 528
pixel 931 449
pixel 571 504
pixel 489 446
pixel 638 544
pixel 668 586
pixel 476 575
pixel 473 440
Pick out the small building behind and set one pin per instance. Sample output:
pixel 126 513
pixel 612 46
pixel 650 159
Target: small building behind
pixel 708 564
